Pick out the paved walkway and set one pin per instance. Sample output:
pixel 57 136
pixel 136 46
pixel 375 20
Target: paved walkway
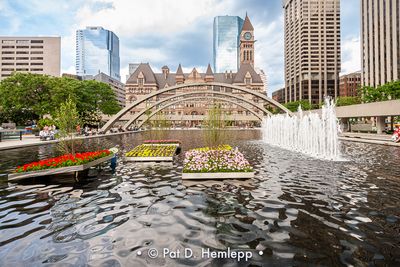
pixel 31 140
pixel 378 139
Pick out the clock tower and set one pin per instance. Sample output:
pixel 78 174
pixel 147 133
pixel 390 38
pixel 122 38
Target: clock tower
pixel 246 48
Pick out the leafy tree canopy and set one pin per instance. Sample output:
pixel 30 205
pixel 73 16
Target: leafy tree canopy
pixel 293 106
pixel 35 95
pixel 388 91
pixel 348 100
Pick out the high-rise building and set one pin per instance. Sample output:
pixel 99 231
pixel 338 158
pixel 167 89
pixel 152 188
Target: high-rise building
pixel 226 42
pixel 97 50
pixel 39 55
pixel 312 49
pixel 349 84
pixel 380 41
pixel 116 85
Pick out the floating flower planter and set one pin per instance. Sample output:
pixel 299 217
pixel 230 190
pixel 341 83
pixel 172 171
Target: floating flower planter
pixel 220 162
pixel 153 152
pixel 64 164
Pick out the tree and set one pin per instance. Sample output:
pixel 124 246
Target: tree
pixel 67 118
pixel 36 95
pixel 348 100
pixel 26 93
pixel 293 106
pixel 163 124
pixel 215 122
pixel 388 91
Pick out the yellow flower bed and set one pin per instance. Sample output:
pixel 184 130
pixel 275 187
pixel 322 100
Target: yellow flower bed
pixel 152 151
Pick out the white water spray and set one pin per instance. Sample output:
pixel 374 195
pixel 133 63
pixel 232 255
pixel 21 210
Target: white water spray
pixel 312 134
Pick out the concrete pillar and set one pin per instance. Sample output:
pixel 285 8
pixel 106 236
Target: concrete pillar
pixel 380 124
pixel 391 123
pixel 345 124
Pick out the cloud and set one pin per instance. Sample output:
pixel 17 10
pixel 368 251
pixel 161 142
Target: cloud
pixel 270 53
pixel 152 17
pixel 351 55
pixel 168 32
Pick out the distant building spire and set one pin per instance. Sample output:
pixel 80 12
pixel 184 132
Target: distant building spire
pixel 247 26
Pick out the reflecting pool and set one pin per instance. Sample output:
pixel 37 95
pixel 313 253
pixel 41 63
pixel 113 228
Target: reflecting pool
pixel 298 210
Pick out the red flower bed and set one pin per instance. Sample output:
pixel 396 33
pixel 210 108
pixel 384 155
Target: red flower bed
pixel 162 142
pixel 64 161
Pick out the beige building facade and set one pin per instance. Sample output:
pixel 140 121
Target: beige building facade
pixel 41 55
pixel 380 41
pixel 312 49
pixel 189 113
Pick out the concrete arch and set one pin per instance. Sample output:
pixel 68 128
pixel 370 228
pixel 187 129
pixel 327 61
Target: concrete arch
pixel 125 110
pixel 134 118
pixel 199 97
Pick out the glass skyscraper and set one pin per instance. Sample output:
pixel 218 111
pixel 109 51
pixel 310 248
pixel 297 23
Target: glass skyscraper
pixel 97 50
pixel 226 43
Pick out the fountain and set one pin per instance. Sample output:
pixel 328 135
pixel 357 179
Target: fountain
pixel 313 134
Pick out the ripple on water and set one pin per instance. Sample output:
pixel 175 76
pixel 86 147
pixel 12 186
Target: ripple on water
pixel 297 210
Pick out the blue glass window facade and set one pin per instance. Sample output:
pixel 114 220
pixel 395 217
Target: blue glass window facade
pixel 226 38
pixel 97 50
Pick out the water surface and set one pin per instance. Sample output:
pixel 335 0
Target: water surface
pixel 298 210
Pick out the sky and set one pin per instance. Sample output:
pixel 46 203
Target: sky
pixel 169 32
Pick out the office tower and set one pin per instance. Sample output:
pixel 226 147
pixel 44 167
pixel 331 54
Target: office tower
pixel 226 42
pixel 380 44
pixel 39 55
pixel 312 49
pixel 97 50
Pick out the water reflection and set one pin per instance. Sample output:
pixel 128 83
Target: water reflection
pixel 297 210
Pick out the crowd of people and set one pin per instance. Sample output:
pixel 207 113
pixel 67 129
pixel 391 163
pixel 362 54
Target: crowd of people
pixel 86 131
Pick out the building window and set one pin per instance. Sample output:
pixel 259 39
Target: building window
pixel 248 80
pixel 140 81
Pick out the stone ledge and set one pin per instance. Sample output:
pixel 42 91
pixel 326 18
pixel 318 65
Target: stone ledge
pixel 217 175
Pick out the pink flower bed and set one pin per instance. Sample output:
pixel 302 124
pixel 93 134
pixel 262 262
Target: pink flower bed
pixel 200 161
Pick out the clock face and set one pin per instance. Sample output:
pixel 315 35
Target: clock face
pixel 247 36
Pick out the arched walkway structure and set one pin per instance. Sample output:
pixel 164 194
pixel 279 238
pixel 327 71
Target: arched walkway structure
pixel 200 97
pixel 239 98
pixel 210 85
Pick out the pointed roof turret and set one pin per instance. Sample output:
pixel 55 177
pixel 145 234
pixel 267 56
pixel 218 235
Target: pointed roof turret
pixel 247 26
pixel 179 70
pixel 209 71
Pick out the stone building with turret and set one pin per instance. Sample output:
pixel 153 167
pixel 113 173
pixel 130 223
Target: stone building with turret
pixel 192 112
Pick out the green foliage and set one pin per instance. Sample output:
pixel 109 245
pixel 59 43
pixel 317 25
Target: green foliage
pixel 163 124
pixel 67 118
pixel 215 123
pixel 45 121
pixel 34 95
pixel 388 91
pixel 347 100
pixel 293 106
